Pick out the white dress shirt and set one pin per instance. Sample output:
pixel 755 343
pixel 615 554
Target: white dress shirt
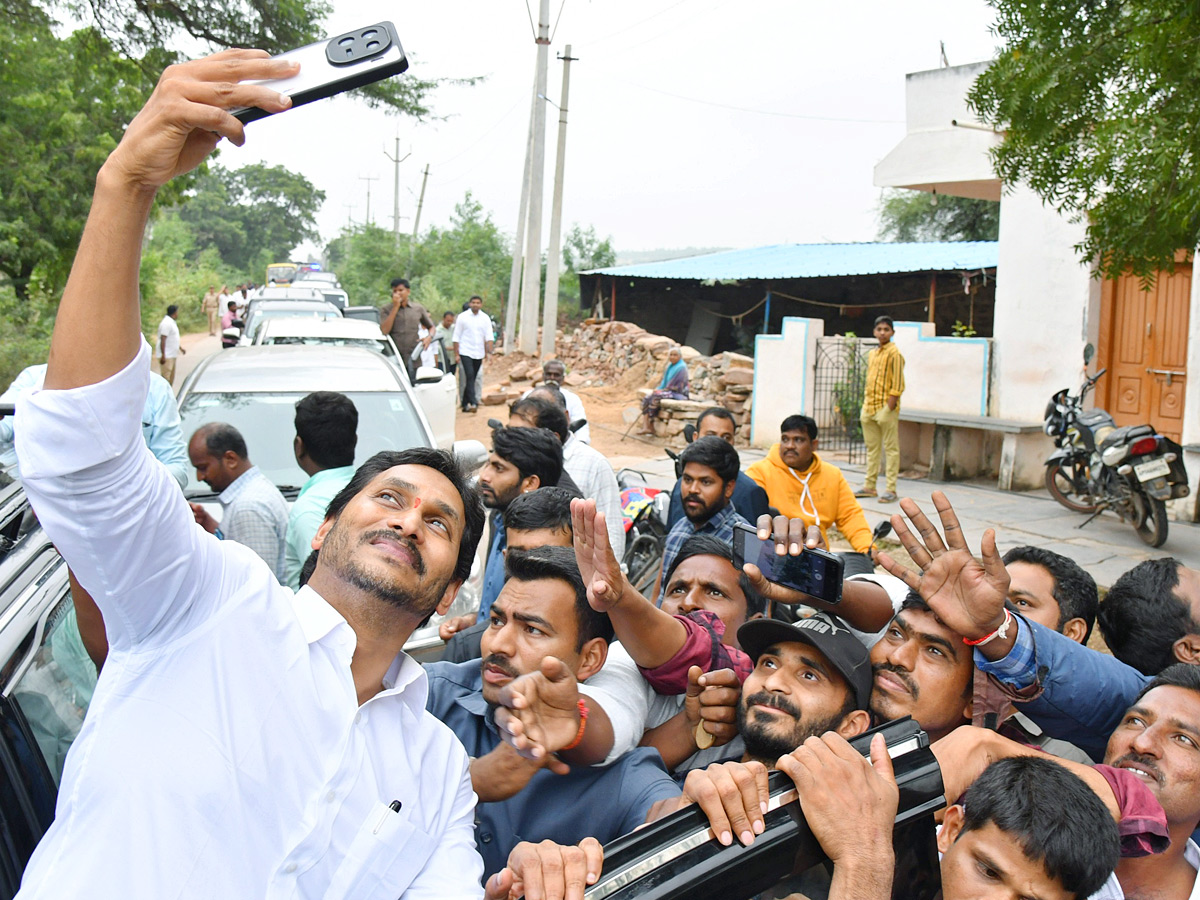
pixel 169 329
pixel 472 331
pixel 595 477
pixel 224 753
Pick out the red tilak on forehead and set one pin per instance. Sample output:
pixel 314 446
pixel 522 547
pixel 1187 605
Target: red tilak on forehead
pixel 416 503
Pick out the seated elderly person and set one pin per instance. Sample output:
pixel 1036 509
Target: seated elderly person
pixel 674 386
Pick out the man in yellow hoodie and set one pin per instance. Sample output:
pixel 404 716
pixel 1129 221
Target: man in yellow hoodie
pixel 801 486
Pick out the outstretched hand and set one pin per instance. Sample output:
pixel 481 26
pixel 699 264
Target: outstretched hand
pixel 598 565
pixel 188 114
pixel 792 537
pixel 966 593
pixel 539 712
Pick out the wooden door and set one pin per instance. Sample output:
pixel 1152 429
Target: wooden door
pixel 1143 342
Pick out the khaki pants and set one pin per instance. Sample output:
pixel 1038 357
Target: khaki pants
pixel 167 369
pixel 212 321
pixel 881 431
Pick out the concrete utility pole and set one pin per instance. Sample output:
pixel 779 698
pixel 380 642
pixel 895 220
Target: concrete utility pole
pixel 554 252
pixel 396 160
pixel 412 245
pixel 531 292
pixel 368 179
pixel 514 276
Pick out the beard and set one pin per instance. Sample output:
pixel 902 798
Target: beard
pixel 420 602
pixel 767 741
pixel 704 513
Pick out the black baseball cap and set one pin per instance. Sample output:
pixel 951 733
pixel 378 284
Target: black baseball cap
pixel 826 633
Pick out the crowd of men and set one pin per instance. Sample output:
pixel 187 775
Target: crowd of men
pixel 249 739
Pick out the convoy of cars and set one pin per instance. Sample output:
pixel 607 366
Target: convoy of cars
pixel 303 344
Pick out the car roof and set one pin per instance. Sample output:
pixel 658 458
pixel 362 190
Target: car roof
pixel 289 292
pixel 306 304
pixel 333 328
pixel 301 368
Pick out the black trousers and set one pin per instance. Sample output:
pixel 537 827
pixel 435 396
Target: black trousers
pixel 470 369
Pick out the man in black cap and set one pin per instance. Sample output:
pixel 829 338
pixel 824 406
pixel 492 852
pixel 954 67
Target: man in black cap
pixel 809 678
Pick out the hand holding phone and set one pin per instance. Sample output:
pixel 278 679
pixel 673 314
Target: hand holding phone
pixel 816 574
pixel 338 64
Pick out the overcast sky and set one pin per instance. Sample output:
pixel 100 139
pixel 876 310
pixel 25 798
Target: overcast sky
pixel 730 123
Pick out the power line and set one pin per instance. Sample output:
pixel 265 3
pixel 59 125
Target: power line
pixel 634 25
pixel 557 19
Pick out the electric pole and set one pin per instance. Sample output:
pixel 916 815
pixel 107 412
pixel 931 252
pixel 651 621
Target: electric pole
pixel 349 211
pixel 412 245
pixel 514 276
pixel 531 293
pixel 396 160
pixel 368 179
pixel 554 252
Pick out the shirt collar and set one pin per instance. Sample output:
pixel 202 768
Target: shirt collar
pixel 238 486
pixel 325 475
pixel 472 701
pixel 719 518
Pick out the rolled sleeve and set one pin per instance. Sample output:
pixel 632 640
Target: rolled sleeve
pixel 702 647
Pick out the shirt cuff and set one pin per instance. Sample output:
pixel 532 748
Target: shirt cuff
pixel 1019 667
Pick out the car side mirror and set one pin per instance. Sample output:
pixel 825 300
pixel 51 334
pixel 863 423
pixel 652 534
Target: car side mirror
pixel 428 375
pixel 237 323
pixel 471 455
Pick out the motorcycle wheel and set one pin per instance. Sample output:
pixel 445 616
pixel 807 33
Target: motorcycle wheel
pixel 1150 520
pixel 643 558
pixel 1061 482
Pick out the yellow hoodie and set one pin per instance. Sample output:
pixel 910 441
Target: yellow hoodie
pixel 819 495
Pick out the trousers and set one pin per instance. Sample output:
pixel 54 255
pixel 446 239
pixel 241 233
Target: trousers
pixel 881 431
pixel 470 369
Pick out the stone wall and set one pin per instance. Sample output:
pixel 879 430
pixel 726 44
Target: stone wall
pixel 624 354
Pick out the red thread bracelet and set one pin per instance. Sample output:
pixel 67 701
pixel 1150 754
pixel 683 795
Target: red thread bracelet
pixel 1001 632
pixel 583 716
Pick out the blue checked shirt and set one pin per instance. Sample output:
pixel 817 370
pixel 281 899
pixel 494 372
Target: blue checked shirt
pixel 257 515
pixel 1018 668
pixel 719 526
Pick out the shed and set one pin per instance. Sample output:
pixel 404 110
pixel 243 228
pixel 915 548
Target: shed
pixel 719 301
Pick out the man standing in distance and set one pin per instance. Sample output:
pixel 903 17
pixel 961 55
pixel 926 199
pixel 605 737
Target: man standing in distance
pixel 326 436
pixel 473 341
pixel 168 344
pixel 710 470
pixel 210 306
pixel 402 320
pixel 445 334
pixel 255 512
pixel 554 371
pixel 298 718
pixel 881 410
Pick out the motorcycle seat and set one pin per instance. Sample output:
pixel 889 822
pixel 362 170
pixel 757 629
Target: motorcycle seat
pixel 1126 434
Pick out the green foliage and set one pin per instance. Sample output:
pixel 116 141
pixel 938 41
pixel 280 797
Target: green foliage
pixel 581 250
pixel 472 256
pixel 1099 102
pixel 27 326
pixel 958 329
pixel 849 390
pixel 366 259
pixel 65 105
pixel 913 216
pixel 248 212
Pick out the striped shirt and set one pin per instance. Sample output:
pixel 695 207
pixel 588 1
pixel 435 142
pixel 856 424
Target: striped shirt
pixel 885 378
pixel 257 515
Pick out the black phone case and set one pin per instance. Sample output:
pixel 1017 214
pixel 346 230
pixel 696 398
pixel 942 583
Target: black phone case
pixel 347 62
pixel 835 565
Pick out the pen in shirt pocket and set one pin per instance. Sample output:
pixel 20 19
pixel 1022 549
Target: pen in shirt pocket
pixel 393 807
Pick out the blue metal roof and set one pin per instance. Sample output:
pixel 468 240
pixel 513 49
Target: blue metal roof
pixel 818 261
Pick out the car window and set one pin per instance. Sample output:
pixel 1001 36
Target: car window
pixel 55 689
pixel 386 421
pixel 313 340
pixel 261 316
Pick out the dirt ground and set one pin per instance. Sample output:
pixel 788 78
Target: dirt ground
pixel 607 405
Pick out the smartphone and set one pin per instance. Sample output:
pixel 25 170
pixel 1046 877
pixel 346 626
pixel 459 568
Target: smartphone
pixel 817 573
pixel 338 64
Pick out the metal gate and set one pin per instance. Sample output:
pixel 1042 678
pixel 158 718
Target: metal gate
pixel 839 382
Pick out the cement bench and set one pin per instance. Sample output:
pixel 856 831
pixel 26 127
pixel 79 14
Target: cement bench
pixel 957 447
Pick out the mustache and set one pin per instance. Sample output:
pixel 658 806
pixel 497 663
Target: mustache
pixel 693 498
pixel 905 677
pixel 384 534
pixel 501 663
pixel 1142 762
pixel 762 698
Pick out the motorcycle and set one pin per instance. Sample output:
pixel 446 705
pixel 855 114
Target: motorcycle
pixel 1098 466
pixel 644 510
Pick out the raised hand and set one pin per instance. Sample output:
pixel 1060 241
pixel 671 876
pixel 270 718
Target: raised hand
pixel 188 114
pixel 539 712
pixel 547 871
pixel 966 593
pixel 598 565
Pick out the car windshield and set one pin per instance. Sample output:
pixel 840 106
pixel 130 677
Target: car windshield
pixel 261 315
pixel 312 340
pixel 386 421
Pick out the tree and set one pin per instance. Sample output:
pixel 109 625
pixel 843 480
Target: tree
pixel 913 216
pixel 250 211
pixel 1099 103
pixel 582 250
pixel 65 105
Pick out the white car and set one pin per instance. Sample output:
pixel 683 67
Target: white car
pixel 255 389
pixel 435 390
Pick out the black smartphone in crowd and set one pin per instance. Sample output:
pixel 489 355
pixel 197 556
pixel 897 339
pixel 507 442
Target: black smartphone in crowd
pixel 338 64
pixel 817 573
